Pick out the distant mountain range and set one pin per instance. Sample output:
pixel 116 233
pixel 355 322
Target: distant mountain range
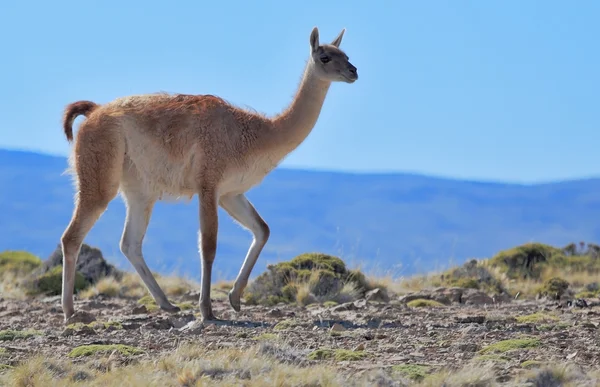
pixel 396 223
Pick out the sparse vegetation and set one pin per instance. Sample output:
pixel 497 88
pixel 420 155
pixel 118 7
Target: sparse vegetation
pixel 336 354
pixel 254 354
pixel 412 371
pixel 537 318
pixel 421 303
pixel 11 334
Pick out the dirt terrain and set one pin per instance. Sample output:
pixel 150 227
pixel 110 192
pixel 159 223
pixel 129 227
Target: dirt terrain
pixel 405 345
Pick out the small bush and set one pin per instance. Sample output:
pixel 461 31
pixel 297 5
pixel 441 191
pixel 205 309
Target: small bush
pixel 412 371
pixel 88 350
pixel 286 324
pixel 11 334
pixel 307 279
pixel 555 287
pixel 508 345
pixel 474 275
pixel 19 262
pixel 423 303
pixel 525 261
pixel 536 318
pixel 50 283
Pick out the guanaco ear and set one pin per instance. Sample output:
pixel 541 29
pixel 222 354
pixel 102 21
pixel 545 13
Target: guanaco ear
pixel 314 39
pixel 336 42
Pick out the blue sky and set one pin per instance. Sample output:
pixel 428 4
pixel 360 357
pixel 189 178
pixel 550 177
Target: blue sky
pixel 494 90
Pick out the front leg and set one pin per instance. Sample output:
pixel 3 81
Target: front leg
pixel 240 208
pixel 208 248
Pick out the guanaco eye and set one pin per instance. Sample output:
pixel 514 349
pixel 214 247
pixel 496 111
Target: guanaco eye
pixel 325 58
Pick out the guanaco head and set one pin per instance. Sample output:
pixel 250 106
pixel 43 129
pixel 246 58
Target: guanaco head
pixel 330 63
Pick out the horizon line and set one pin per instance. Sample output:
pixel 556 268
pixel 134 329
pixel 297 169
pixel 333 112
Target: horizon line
pixel 380 172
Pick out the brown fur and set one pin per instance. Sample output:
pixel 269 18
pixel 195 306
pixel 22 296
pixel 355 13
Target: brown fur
pixel 72 111
pixel 150 147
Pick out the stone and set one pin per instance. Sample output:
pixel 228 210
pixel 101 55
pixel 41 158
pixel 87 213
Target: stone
pixel 477 319
pixel 337 327
pixel 90 263
pixel 475 297
pixel 193 328
pixel 181 321
pixel 162 323
pixel 344 307
pixel 140 309
pixel 275 312
pixel 377 295
pixel 81 316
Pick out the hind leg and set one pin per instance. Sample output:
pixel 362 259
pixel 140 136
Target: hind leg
pixel 98 165
pixel 139 210
pixel 240 208
pixel 86 213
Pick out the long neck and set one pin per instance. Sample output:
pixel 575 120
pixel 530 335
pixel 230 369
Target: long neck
pixel 295 123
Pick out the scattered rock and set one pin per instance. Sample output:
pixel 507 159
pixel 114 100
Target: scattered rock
pixel 181 321
pixel 139 309
pixel 423 295
pixel 161 323
pixel 360 304
pixel 377 295
pixel 275 312
pixel 90 263
pixel 344 307
pixel 473 319
pixel 337 327
pixel 193 328
pixel 475 297
pixel 68 332
pixel 448 296
pixel 359 347
pixel 81 316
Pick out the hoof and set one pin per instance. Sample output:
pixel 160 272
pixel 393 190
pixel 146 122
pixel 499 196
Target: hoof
pixel 211 319
pixel 234 301
pixel 170 308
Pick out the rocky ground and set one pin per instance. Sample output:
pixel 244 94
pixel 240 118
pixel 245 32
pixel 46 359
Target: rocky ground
pixel 410 338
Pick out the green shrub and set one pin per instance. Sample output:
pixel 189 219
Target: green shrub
pixel 50 282
pixel 525 261
pixel 508 345
pixel 11 334
pixel 307 278
pixel 473 274
pixel 530 260
pixel 555 287
pixel 88 350
pixel 422 303
pixel 19 262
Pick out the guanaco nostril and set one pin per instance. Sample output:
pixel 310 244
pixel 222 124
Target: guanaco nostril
pixel 353 70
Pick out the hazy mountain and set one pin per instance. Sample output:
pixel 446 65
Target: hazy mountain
pixel 399 222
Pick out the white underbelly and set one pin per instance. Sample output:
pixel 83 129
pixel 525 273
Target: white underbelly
pixel 242 180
